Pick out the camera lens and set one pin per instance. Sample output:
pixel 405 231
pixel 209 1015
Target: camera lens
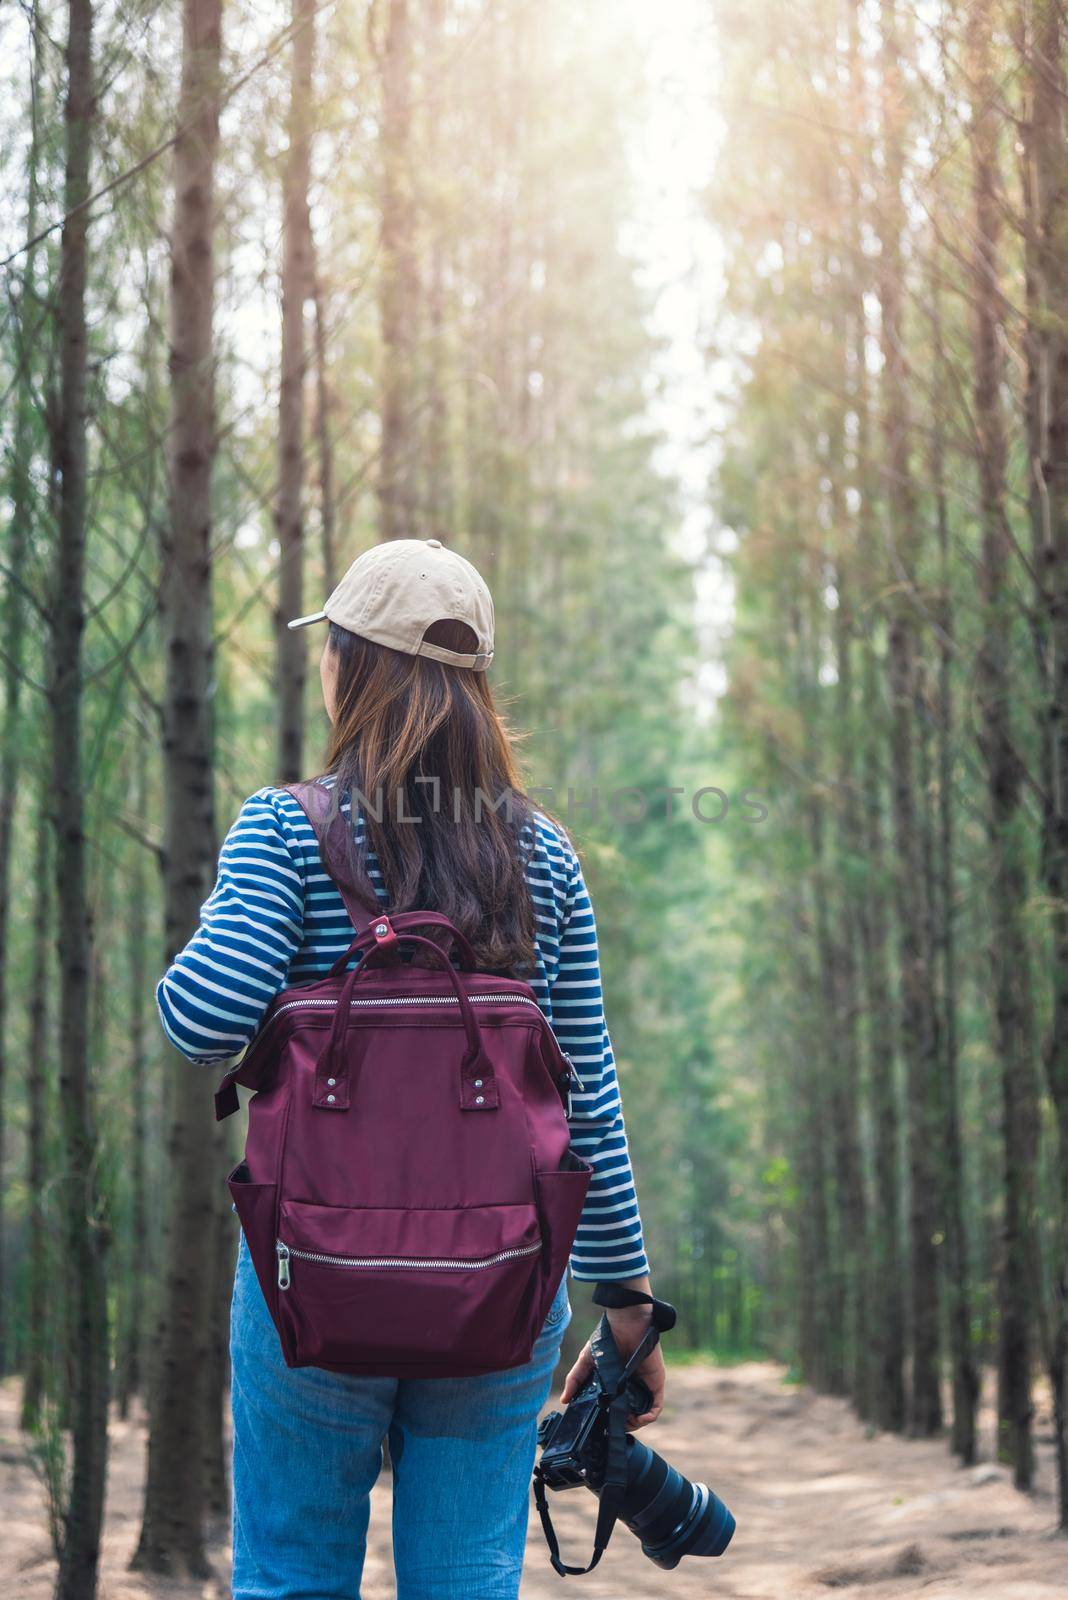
pixel 670 1515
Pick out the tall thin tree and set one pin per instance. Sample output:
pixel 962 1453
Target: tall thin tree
pixel 292 646
pixel 885 1294
pixel 131 1340
pixel 1008 951
pixel 398 281
pixel 172 1532
pixel 85 1233
pixel 438 474
pixel 324 437
pixel 1045 189
pixel 958 1293
pixel 21 499
pixel 917 1009
pixel 39 1313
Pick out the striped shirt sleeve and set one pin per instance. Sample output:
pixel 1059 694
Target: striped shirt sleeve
pixel 213 996
pixel 609 1241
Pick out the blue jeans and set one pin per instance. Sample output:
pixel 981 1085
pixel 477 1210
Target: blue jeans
pixel 308 1448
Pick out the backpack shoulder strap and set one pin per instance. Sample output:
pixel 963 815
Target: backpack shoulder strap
pixel 331 833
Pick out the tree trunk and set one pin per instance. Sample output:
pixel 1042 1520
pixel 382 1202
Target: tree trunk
pixel 852 1202
pixel 21 491
pixel 1013 1020
pixel 886 1277
pixel 327 503
pixel 825 1072
pixel 495 550
pixel 172 1533
pixel 291 644
pixel 917 1008
pixel 834 1063
pixel 839 741
pixel 39 1315
pixel 821 1346
pixel 130 1375
pixel 1046 256
pixel 808 1158
pixel 216 1380
pixel 86 1233
pixel 398 511
pixel 439 485
pixel 965 1372
pixel 885 1296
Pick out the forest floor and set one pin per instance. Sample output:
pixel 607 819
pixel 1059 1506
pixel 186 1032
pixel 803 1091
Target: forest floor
pixel 822 1507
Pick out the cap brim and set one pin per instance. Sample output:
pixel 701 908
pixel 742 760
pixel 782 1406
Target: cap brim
pixel 302 622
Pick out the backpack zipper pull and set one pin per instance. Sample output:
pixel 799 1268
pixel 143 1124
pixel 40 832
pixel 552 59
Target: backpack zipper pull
pixel 571 1067
pixel 282 1251
pixel 569 1081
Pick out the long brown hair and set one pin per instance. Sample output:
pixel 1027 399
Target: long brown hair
pixel 422 751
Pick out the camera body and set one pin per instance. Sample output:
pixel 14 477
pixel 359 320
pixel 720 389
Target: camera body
pixel 587 1446
pixel 574 1442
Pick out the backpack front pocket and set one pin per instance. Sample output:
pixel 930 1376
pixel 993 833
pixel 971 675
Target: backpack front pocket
pixel 396 1290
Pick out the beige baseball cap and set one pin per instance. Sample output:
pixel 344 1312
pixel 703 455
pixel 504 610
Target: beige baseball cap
pixel 397 590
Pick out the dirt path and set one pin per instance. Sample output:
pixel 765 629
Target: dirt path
pixel 822 1510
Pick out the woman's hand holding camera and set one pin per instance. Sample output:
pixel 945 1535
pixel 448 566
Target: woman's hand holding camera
pixel 628 1325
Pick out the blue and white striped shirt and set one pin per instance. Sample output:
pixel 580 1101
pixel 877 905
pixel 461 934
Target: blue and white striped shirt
pixel 275 918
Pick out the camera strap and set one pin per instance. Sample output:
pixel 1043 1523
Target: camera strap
pixel 615 1296
pixel 613 1375
pixel 610 1500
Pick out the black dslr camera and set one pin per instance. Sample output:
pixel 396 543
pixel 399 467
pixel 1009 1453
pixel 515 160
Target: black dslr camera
pixel 588 1446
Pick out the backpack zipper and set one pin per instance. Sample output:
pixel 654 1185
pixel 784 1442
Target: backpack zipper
pixel 416 1000
pixel 423 1000
pixel 286 1252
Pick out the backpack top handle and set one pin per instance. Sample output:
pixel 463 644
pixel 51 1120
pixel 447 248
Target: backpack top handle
pixel 338 1066
pixel 403 924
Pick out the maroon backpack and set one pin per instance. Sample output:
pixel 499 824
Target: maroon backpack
pixel 408 1193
